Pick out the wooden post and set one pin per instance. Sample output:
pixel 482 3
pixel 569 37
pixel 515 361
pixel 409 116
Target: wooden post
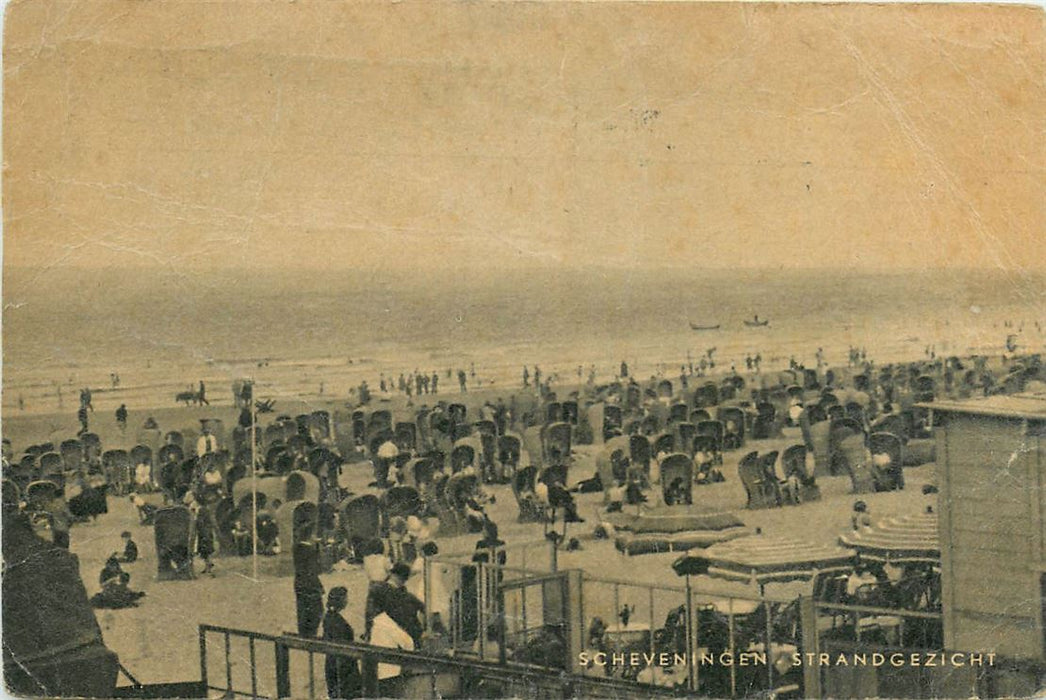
pixel 808 623
pixel 283 670
pixel 574 581
pixel 693 643
pixel 203 660
pixel 254 485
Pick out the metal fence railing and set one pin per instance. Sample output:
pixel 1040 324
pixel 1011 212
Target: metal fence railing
pixel 651 635
pixel 295 670
pixel 509 631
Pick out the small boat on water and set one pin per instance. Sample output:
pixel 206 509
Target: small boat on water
pixel 695 327
pixel 756 323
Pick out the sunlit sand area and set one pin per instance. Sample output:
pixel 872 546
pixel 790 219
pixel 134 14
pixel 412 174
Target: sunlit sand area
pixel 158 640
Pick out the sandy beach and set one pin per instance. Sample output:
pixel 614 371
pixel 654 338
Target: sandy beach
pixel 158 641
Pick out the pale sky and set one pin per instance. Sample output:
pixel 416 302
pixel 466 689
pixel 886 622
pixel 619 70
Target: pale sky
pixel 343 135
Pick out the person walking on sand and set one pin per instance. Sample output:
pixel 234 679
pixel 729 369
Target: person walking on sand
pixel 85 398
pixel 121 418
pixel 81 415
pixel 202 395
pixel 526 377
pixel 435 382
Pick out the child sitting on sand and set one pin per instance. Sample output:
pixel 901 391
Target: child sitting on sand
pixel 706 470
pixel 861 518
pixel 130 549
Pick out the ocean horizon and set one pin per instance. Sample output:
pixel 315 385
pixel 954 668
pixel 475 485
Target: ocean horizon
pixel 163 329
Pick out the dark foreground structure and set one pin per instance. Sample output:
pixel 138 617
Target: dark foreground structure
pixel 52 643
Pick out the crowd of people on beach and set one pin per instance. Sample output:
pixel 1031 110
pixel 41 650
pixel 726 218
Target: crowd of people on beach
pixel 395 598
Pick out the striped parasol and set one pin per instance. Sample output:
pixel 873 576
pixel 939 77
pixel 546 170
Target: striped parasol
pixel 907 539
pixel 761 559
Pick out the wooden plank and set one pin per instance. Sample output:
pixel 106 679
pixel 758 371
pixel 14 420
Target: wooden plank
pixel 1006 479
pixel 1002 594
pixel 1038 546
pixel 980 544
pixel 945 508
pixel 1038 466
pixel 974 515
pixel 991 509
pixel 1013 638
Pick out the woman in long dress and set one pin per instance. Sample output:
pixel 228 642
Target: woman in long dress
pixel 342 672
pixel 204 538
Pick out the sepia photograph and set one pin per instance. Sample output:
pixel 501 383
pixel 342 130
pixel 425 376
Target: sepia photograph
pixel 523 349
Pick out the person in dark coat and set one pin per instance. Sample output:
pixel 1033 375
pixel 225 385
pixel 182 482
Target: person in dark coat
pixel 406 610
pixel 81 415
pixel 116 594
pixel 111 571
pixel 343 673
pixel 308 590
pixel 130 549
pixel 205 539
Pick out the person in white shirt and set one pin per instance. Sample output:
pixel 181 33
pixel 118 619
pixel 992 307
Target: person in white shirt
pixel 206 444
pixel 143 479
pixel 386 633
pixel 438 600
pixel 795 413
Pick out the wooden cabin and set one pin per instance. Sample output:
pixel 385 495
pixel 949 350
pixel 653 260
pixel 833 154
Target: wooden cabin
pixel 991 471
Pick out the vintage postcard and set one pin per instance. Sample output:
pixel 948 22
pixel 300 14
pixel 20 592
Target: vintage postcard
pixel 523 349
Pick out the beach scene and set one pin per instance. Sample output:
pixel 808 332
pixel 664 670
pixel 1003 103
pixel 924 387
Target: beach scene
pixel 341 331
pixel 522 350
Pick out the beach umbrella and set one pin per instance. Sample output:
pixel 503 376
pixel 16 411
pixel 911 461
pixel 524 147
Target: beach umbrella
pixel 908 539
pixel 761 559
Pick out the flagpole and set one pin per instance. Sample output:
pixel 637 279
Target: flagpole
pixel 254 484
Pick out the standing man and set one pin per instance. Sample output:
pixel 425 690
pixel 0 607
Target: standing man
pixel 206 443
pixel 308 590
pixel 121 417
pixel 202 395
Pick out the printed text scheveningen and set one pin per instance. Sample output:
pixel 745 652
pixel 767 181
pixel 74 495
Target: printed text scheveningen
pixel 894 659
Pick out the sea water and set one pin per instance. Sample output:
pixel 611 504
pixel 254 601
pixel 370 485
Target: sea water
pixel 164 330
